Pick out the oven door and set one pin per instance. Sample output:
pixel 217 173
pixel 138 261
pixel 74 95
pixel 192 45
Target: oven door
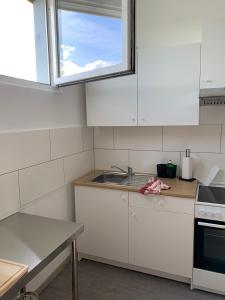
pixel 209 245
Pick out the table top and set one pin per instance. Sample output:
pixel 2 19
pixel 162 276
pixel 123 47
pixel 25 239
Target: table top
pixel 34 241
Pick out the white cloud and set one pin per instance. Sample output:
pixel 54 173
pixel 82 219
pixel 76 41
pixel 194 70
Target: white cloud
pixel 71 68
pixel 67 51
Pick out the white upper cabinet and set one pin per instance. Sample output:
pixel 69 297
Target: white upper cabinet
pixel 112 102
pixel 168 63
pixel 169 85
pixel 180 49
pixel 213 53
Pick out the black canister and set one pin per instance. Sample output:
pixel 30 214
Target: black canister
pixel 161 170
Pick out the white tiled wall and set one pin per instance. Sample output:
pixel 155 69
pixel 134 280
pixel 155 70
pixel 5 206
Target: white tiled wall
pixel 39 180
pixel 145 161
pixel 104 159
pixel 103 137
pixel 78 164
pixel 65 141
pixel 38 167
pixel 23 149
pixel 143 147
pixel 149 138
pixel 9 194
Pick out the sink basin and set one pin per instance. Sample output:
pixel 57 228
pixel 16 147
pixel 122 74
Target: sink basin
pixel 120 178
pixel 110 178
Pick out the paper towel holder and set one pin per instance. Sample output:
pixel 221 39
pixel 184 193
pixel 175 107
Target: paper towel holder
pixel 188 155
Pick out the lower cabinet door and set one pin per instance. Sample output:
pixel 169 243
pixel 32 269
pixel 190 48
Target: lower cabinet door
pixel 161 241
pixel 104 214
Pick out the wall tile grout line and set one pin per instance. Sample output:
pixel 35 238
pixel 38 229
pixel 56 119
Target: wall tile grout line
pixel 44 162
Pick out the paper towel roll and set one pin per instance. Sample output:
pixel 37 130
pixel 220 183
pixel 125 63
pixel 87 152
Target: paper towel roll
pixel 187 168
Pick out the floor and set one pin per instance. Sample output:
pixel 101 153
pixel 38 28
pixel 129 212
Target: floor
pixel 102 282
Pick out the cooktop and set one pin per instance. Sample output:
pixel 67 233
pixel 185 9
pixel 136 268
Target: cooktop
pixel 211 194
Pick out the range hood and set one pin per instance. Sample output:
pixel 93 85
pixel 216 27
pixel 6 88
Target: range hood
pixel 211 97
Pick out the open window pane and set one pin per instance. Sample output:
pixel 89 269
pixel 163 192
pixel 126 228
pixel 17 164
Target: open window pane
pixel 23 41
pixel 83 50
pixel 94 39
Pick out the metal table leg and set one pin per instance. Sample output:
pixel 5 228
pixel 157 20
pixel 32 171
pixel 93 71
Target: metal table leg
pixel 74 271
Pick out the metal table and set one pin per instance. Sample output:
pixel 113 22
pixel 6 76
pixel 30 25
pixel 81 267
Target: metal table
pixel 36 241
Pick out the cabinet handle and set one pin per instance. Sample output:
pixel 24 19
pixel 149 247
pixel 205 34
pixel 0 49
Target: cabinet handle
pixel 124 198
pixel 133 120
pixel 142 120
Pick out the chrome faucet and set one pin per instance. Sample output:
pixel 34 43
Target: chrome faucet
pixel 129 171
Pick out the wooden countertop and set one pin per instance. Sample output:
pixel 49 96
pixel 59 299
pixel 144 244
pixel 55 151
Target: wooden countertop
pixel 179 188
pixel 10 273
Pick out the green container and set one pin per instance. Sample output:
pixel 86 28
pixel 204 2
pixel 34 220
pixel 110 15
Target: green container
pixel 171 170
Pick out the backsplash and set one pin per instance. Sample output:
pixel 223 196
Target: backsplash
pixel 37 167
pixel 143 147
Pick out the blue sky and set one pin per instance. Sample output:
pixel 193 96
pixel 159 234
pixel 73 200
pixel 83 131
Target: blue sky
pixel 93 37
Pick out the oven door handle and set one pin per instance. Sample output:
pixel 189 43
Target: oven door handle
pixel 211 225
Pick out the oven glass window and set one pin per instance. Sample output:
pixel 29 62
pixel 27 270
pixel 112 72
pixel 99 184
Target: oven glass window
pixel 210 248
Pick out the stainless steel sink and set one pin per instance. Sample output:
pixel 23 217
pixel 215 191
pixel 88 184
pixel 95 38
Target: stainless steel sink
pixel 122 179
pixel 137 180
pixel 110 178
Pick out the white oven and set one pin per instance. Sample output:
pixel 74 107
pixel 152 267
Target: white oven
pixel 209 240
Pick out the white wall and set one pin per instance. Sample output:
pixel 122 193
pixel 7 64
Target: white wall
pixel 44 146
pixel 25 108
pixel 143 147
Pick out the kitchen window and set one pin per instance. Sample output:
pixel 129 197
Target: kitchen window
pixel 24 47
pixel 92 39
pixel 64 42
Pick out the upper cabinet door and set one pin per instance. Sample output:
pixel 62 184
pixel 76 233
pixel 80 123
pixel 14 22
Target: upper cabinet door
pixel 112 102
pixel 168 63
pixel 168 91
pixel 213 54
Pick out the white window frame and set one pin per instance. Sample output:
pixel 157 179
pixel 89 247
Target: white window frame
pixel 128 65
pixel 24 83
pixel 55 81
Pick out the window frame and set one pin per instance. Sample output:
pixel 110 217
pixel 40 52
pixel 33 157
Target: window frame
pixel 126 68
pixel 25 83
pixel 53 56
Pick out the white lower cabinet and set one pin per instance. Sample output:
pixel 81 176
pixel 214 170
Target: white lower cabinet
pixel 104 213
pixel 161 234
pixel 152 232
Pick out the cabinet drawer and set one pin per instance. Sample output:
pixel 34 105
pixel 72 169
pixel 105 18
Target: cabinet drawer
pixel 173 204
